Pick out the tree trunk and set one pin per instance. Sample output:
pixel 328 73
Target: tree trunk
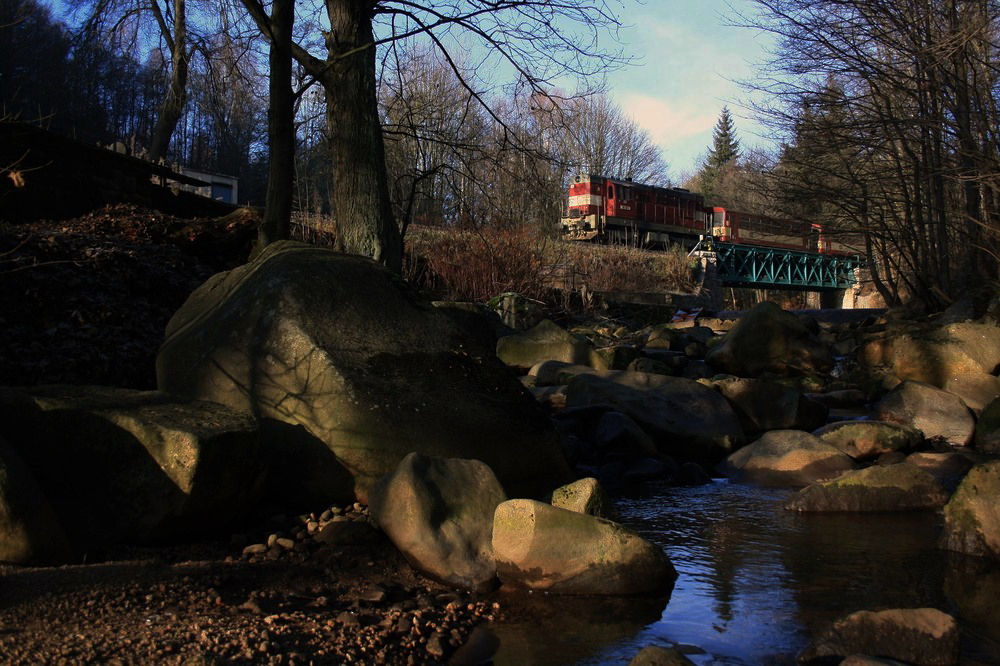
pixel 360 203
pixel 173 103
pixel 281 128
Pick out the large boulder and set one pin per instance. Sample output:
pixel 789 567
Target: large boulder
pixel 786 458
pixel 339 352
pixel 655 655
pixel 119 465
pixel 769 340
pixel 684 418
pixel 972 516
pixel 933 356
pixel 867 440
pixel 987 437
pixel 976 389
pixel 899 487
pixel 933 411
pixel 948 467
pixel 516 311
pixel 439 514
pixel 919 636
pixel 763 405
pixel 541 547
pixel 29 531
pixel 548 342
pixel 556 373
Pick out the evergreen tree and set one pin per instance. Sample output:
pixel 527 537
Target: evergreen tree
pixel 723 155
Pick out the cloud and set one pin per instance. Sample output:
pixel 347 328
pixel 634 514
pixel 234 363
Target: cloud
pixel 667 121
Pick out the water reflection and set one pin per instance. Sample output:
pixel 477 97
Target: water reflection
pixel 756 582
pixel 541 629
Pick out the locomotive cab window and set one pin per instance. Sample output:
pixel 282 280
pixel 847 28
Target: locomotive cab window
pixel 611 191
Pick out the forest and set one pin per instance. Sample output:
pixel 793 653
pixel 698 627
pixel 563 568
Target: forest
pixel 474 115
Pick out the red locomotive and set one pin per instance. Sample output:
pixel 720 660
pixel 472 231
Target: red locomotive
pixel 620 211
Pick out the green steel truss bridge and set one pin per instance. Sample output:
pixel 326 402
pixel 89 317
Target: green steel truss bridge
pixel 774 268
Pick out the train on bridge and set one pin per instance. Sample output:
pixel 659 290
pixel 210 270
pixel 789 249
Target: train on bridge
pixel 621 211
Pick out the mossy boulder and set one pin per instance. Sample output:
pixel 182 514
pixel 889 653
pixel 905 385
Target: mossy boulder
pixel 925 636
pixel 867 440
pixel 972 516
pixel 541 547
pixel 786 458
pixel 901 487
pixel 548 342
pixel 584 496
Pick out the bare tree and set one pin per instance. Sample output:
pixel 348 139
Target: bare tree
pixel 891 108
pixel 599 138
pixel 531 37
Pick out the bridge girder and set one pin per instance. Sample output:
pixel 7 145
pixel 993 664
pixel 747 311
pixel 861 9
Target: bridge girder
pixel 774 268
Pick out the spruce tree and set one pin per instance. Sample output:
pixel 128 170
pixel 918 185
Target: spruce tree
pixel 725 151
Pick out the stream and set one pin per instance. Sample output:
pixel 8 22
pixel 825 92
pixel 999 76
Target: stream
pixel 756 582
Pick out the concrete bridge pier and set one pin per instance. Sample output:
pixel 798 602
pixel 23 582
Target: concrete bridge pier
pixel 709 285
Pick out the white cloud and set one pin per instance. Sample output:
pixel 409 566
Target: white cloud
pixel 665 120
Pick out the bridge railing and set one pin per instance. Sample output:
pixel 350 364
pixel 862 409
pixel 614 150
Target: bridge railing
pixel 775 268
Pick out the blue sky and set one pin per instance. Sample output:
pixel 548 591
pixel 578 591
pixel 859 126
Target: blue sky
pixel 688 62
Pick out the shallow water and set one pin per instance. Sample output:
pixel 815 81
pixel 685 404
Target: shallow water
pixel 756 581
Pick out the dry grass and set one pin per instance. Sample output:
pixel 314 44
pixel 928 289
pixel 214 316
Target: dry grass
pixel 478 265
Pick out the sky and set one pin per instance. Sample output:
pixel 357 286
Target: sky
pixel 689 62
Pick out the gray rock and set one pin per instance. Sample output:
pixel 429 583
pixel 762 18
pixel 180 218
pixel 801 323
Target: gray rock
pixel 517 311
pixel 654 655
pixel 900 487
pixel 584 496
pixel 556 373
pixel 924 636
pixel 867 440
pixel 947 467
pixel 987 438
pixel 29 531
pixel 479 648
pixel 935 355
pixel 656 366
pixel 975 389
pixel 763 405
pixel 971 519
pixel 865 660
pixel 690 474
pixel 786 458
pixel 617 432
pixel 548 342
pixel 684 418
pixel 118 465
pixel 439 514
pixel 541 547
pixel 935 412
pixel 348 370
pixel 769 340
pixel 841 398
